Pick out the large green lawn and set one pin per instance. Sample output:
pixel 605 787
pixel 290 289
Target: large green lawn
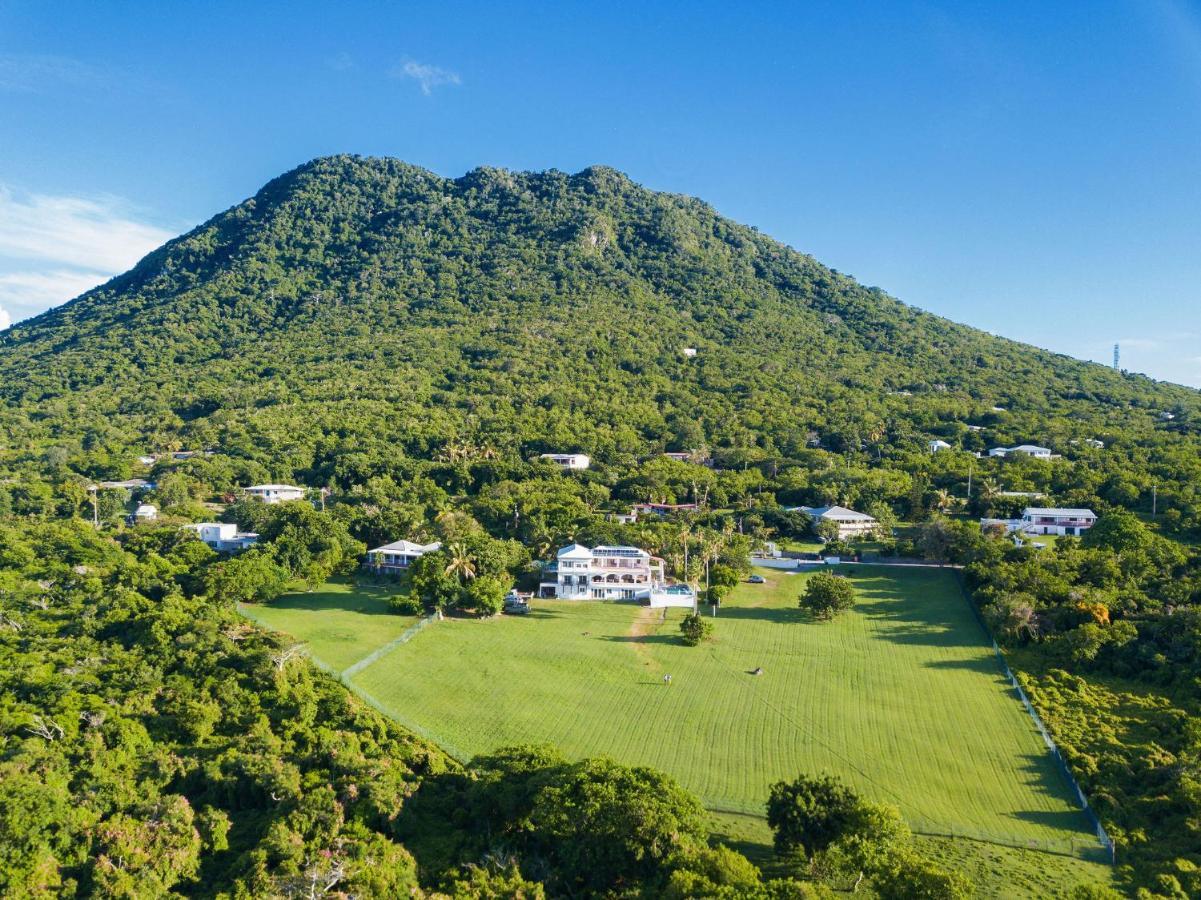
pixel 901 697
pixel 340 623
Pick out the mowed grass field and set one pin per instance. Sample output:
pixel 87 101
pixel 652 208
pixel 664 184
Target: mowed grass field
pixel 339 623
pixel 901 697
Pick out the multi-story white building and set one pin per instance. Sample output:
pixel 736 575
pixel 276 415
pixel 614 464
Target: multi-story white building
pixel 397 556
pixel 1041 520
pixel 223 537
pixel 611 573
pixel 849 522
pixel 275 493
pixel 568 461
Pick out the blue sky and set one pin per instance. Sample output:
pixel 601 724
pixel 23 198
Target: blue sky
pixel 1034 172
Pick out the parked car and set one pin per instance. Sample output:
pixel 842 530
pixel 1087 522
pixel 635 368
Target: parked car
pixel 756 579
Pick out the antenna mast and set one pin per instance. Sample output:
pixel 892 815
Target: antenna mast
pixel 1117 356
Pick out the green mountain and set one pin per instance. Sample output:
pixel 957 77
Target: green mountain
pixel 372 302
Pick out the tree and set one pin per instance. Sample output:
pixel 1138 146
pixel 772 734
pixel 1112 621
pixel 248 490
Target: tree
pixel 430 580
pixel 809 814
pixel 250 577
pixel 694 629
pixel 459 563
pixel 601 824
pixel 827 594
pixel 486 594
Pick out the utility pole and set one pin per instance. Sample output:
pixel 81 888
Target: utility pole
pixel 971 467
pixel 95 506
pixel 323 492
pixel 1154 500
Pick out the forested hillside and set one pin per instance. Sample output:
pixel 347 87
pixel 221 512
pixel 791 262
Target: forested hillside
pixel 372 302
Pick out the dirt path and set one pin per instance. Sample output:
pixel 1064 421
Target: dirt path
pixel 645 624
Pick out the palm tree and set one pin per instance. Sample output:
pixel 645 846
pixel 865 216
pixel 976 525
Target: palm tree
pixel 460 562
pixel 943 500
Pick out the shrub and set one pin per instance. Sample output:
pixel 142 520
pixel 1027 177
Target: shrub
pixel 406 605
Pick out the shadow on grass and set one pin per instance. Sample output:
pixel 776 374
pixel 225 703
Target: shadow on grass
pixel 782 615
pixel 320 601
pixel 986 665
pixel 642 638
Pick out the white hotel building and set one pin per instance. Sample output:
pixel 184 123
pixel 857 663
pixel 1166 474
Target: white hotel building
pixel 611 573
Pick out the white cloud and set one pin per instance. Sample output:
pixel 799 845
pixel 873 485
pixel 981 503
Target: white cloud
pixel 429 77
pixel 53 248
pixel 81 232
pixel 24 294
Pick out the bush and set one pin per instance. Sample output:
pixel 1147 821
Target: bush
pixel 405 605
pixel 694 629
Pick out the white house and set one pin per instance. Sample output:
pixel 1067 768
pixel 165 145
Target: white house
pixel 223 537
pixel 611 573
pixel 1094 443
pixel 397 556
pixel 568 461
pixel 275 493
pixel 1024 449
pixel 850 523
pixel 690 352
pixel 146 461
pixel 1042 520
pixel 145 513
pixel 937 445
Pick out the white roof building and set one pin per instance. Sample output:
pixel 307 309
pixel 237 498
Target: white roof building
pixel 223 537
pixel 275 493
pixel 849 521
pixel 612 573
pixel 937 445
pixel 1048 520
pixel 568 461
pixel 1024 449
pixel 397 555
pixel 145 512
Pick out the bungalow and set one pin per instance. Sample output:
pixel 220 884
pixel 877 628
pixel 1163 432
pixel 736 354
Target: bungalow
pixel 275 493
pixel 1024 449
pixel 223 537
pixel 937 445
pixel 568 461
pixel 1041 520
pixel 850 523
pixel 611 573
pixel 145 513
pixel 690 352
pixel 1094 443
pixel 624 518
pixel 147 461
pixel 397 556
